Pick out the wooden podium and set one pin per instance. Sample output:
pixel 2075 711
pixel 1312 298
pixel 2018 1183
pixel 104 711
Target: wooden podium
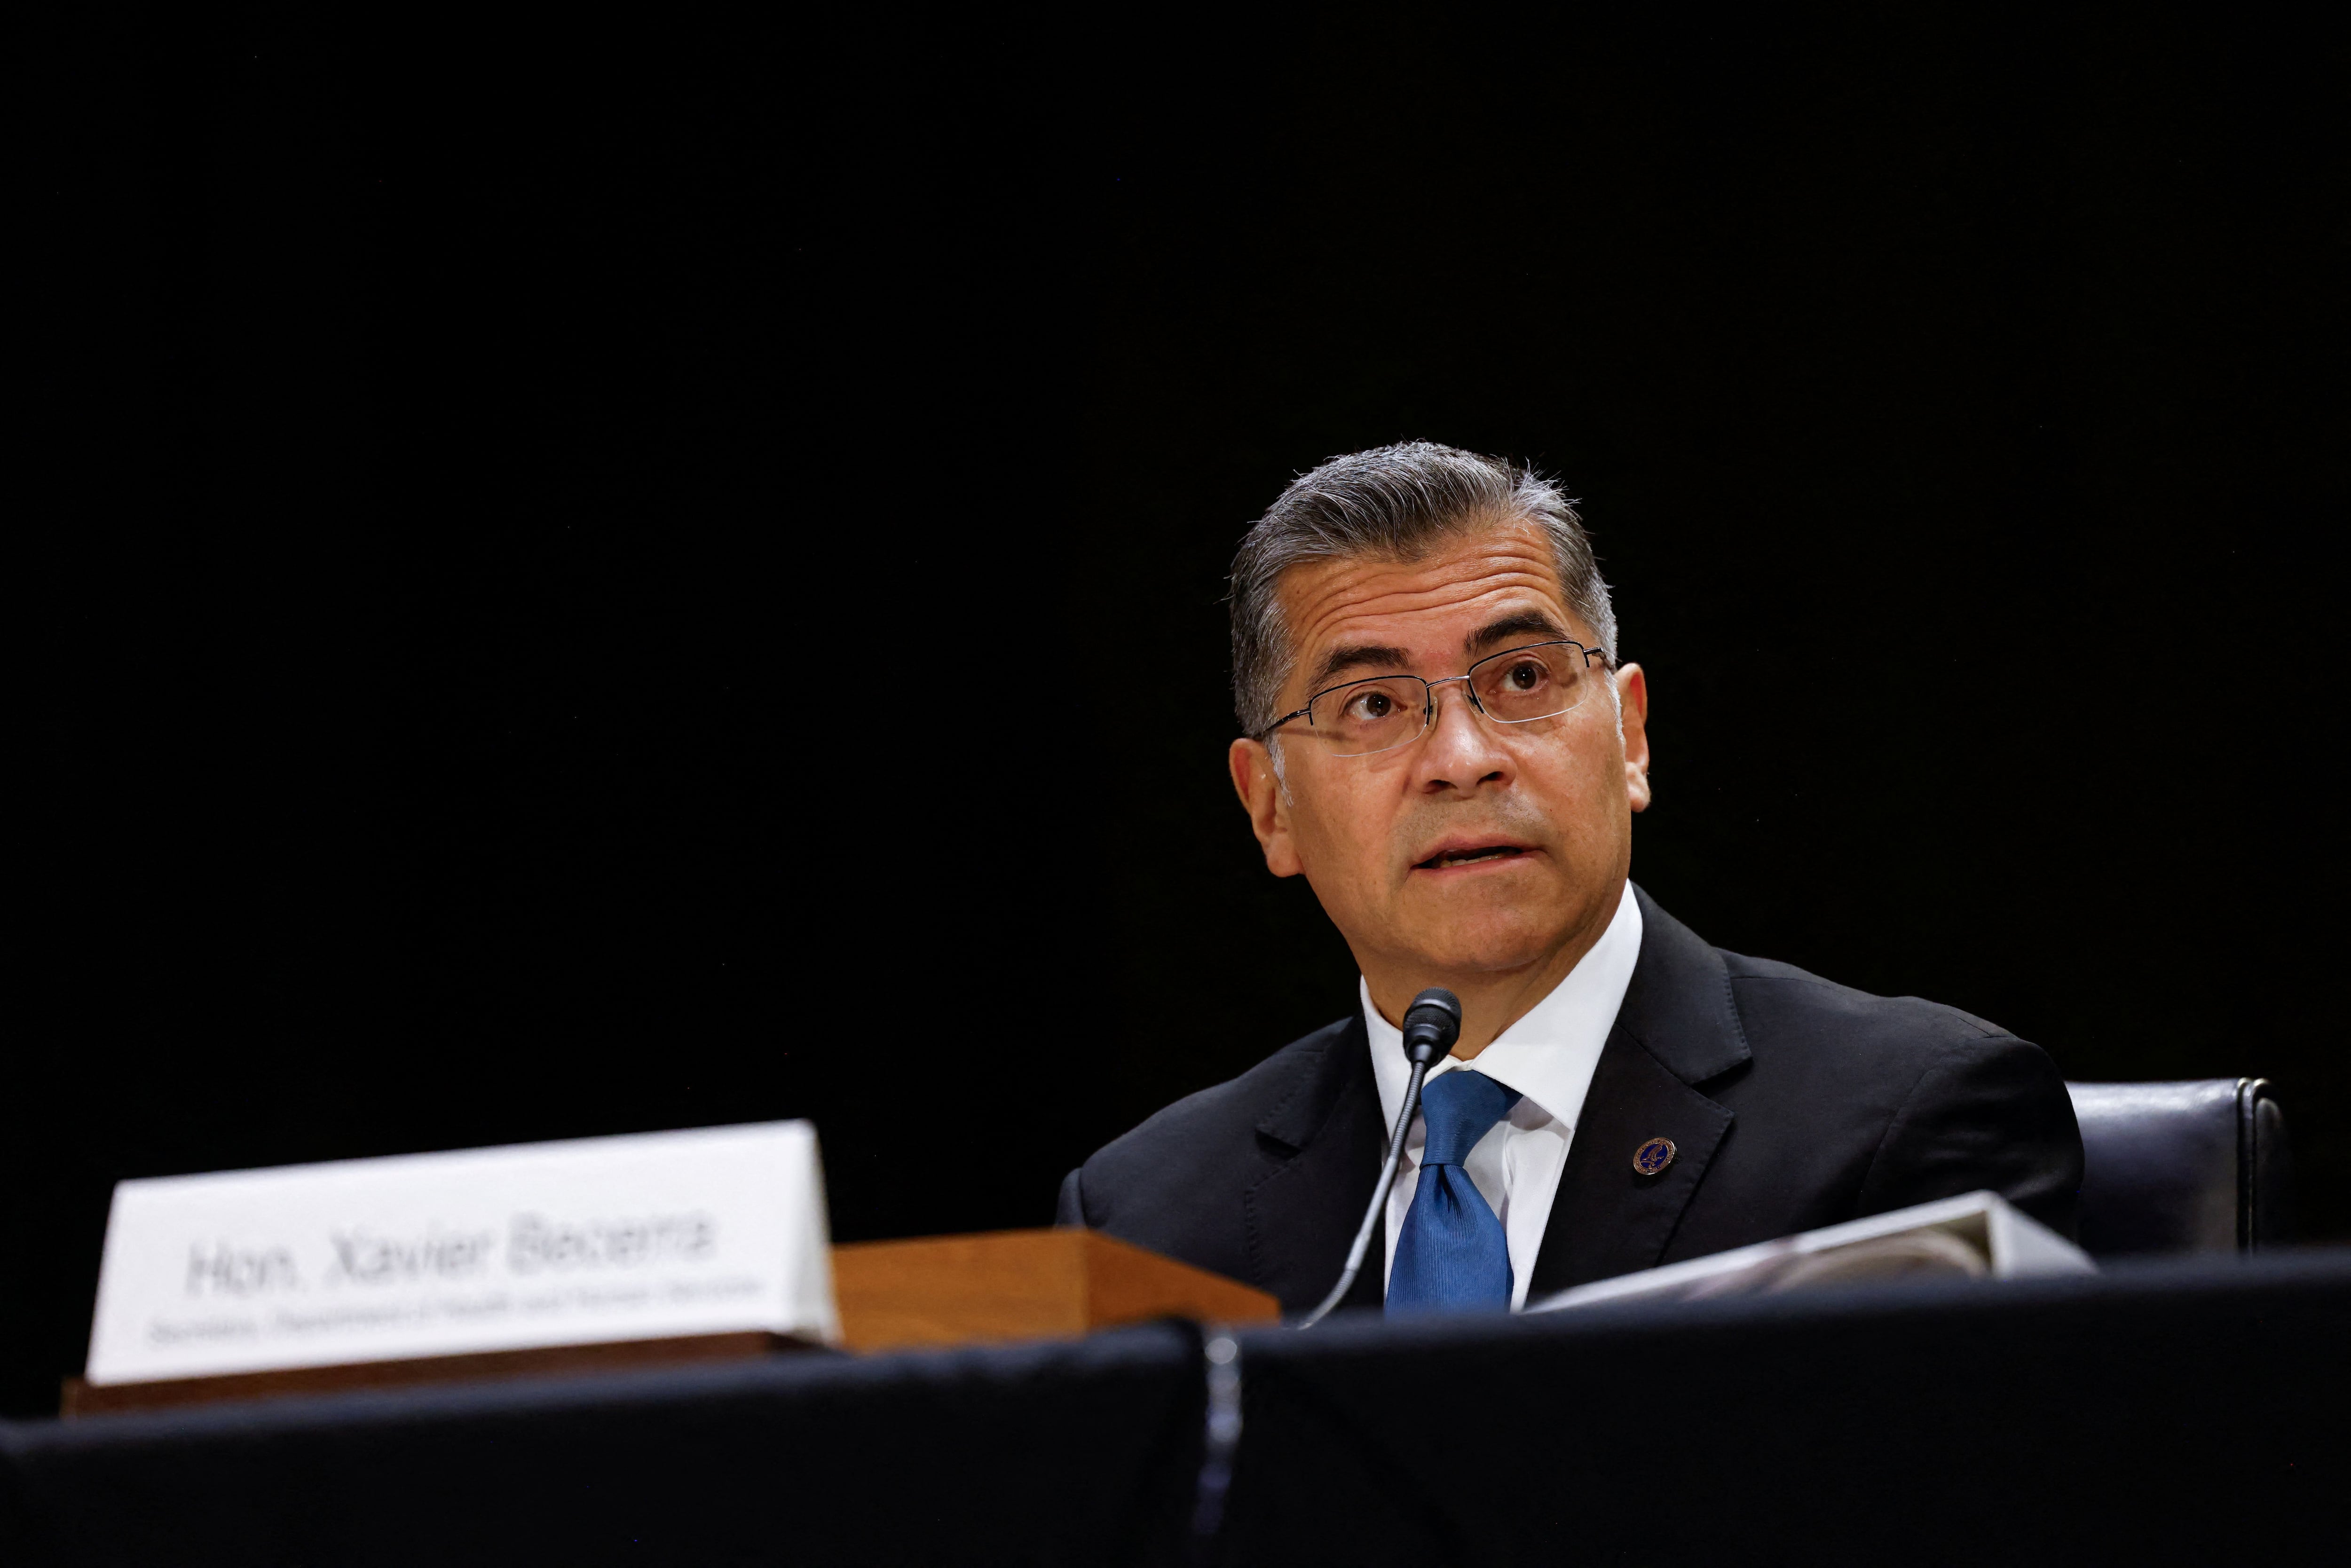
pixel 1021 1284
pixel 936 1291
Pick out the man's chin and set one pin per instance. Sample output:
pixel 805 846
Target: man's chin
pixel 1505 927
pixel 1485 951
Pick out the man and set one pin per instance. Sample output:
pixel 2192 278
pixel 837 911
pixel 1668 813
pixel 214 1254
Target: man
pixel 1439 737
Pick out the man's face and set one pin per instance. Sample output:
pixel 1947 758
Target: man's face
pixel 1381 837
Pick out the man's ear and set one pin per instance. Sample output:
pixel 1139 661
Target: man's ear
pixel 1632 719
pixel 1267 803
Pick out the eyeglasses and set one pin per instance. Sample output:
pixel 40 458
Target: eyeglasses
pixel 1543 680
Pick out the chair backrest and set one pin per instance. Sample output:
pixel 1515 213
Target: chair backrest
pixel 2183 1167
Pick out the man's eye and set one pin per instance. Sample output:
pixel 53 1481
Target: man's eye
pixel 1371 706
pixel 1528 675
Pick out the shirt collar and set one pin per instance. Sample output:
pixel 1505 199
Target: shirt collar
pixel 1549 1055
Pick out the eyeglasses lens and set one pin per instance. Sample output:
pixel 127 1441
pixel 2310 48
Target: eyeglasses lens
pixel 1531 683
pixel 1371 715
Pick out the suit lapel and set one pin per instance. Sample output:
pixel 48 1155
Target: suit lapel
pixel 1677 1028
pixel 1325 1142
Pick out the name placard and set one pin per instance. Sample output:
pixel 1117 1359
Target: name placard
pixel 596 1240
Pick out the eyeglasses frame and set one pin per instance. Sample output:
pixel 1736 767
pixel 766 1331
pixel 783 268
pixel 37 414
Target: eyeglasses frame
pixel 1429 708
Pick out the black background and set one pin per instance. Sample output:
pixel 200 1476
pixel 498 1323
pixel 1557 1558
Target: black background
pixel 594 576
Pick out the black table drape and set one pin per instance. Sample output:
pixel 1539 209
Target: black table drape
pixel 2184 1412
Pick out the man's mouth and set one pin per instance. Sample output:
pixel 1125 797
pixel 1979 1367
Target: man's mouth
pixel 1445 859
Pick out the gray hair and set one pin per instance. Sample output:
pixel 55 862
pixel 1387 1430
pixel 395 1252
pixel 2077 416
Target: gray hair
pixel 1391 503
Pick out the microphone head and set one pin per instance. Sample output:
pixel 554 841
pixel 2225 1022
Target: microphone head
pixel 1431 1025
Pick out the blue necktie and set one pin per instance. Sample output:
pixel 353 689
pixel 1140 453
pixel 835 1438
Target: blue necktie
pixel 1451 1253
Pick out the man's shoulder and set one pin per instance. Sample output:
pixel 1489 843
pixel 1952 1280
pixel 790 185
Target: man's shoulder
pixel 1713 1015
pixel 1237 1105
pixel 1849 1102
pixel 1214 1133
pixel 1814 1037
pixel 1775 995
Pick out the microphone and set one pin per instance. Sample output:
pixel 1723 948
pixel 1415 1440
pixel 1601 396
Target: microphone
pixel 1431 1025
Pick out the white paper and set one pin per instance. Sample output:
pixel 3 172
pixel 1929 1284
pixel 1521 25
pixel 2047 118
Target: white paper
pixel 2011 1244
pixel 594 1240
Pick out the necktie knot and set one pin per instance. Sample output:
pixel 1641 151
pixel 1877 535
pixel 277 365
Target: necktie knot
pixel 1459 1108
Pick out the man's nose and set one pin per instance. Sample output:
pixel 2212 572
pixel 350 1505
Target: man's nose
pixel 1462 750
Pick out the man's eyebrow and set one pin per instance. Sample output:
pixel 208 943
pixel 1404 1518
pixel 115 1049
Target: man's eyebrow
pixel 1520 623
pixel 1355 656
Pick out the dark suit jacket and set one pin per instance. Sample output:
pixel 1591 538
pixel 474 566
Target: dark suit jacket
pixel 1792 1104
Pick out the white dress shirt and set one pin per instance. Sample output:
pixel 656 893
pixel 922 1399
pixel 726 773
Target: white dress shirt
pixel 1548 1057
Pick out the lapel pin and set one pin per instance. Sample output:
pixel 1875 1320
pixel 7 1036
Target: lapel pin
pixel 1653 1157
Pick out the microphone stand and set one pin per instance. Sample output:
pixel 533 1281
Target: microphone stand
pixel 1379 1199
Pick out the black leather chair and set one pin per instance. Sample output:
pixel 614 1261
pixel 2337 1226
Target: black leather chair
pixel 2199 1166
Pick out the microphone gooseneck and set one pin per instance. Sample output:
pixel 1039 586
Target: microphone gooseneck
pixel 1431 1025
